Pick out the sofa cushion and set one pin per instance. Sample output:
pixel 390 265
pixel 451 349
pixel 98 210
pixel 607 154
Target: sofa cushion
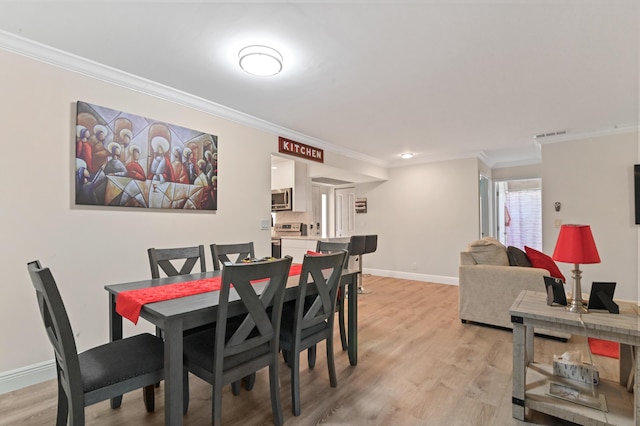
pixel 489 251
pixel 517 257
pixel 541 260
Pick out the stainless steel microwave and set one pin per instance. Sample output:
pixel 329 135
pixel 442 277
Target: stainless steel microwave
pixel 281 199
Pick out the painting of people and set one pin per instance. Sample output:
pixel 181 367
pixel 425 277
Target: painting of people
pixel 126 160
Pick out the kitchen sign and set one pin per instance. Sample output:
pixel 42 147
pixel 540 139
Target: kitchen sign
pixel 287 146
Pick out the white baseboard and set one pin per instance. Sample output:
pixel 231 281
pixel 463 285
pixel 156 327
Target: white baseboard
pixel 412 276
pixel 27 376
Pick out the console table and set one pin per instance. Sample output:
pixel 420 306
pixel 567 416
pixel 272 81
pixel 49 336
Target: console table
pixel 531 379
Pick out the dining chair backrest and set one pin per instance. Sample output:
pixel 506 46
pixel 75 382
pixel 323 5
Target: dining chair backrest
pixel 332 247
pixel 58 328
pixel 167 260
pixel 258 327
pixel 324 272
pixel 231 253
pixel 99 373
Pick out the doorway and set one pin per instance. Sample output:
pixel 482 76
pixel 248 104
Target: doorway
pixel 321 210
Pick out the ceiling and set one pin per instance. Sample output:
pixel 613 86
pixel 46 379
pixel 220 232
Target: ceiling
pixel 441 79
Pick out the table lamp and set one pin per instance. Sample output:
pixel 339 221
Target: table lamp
pixel 576 245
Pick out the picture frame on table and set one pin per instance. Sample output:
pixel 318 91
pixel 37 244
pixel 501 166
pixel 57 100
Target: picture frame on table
pixel 601 297
pixel 555 291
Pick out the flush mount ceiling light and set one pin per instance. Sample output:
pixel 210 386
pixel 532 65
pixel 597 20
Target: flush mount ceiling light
pixel 406 155
pixel 260 60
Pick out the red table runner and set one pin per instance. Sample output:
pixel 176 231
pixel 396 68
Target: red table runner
pixel 129 303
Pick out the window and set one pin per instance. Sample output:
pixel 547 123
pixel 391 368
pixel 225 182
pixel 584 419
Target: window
pixel 519 211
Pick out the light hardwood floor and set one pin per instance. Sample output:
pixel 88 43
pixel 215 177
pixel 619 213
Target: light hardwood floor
pixel 418 365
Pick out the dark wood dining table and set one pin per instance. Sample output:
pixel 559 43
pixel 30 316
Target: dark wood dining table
pixel 174 316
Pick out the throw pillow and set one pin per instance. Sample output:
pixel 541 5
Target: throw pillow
pixel 517 257
pixel 489 251
pixel 541 260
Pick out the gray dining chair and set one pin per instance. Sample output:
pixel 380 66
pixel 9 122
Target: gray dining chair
pixel 231 253
pixel 234 350
pixel 330 247
pixel 312 319
pixel 101 373
pixel 167 259
pixel 234 253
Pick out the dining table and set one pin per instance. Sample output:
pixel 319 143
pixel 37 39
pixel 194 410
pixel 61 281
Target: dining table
pixel 175 316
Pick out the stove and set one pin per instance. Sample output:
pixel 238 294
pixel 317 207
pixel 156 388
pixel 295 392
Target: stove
pixel 285 229
pixel 289 229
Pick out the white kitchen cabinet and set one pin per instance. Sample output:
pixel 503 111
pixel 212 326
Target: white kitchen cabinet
pixel 282 172
pixel 297 247
pixel 292 174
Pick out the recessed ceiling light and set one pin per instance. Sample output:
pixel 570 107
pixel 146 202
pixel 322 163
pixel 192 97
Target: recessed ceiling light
pixel 260 60
pixel 407 155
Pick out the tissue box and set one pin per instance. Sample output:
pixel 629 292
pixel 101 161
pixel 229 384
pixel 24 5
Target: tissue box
pixel 580 371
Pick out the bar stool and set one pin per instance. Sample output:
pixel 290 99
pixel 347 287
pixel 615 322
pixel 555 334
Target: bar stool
pixel 357 248
pixel 370 245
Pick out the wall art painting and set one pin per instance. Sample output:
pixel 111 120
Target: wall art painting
pixel 125 160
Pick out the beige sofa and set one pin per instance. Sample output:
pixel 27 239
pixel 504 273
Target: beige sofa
pixel 489 288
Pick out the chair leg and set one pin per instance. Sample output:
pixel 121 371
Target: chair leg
pixel 343 330
pixel 185 390
pixel 76 413
pixel 287 357
pixel 295 382
pixel 311 356
pixel 216 404
pixel 333 379
pixel 148 395
pixel 250 381
pixel 235 387
pixel 63 407
pixel 116 402
pixel 274 390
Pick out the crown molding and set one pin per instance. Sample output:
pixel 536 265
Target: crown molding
pixel 61 59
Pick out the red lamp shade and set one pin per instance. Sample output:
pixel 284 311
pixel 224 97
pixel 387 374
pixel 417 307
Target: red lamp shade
pixel 576 245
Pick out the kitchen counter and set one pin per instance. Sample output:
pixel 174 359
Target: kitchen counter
pixel 311 237
pixel 297 246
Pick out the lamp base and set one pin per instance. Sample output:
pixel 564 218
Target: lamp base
pixel 577 307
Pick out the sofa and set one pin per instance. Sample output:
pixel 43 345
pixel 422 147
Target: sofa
pixel 491 276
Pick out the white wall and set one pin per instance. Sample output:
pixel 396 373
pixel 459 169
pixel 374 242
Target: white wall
pixel 593 179
pixel 424 214
pixel 87 248
pixel 519 172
